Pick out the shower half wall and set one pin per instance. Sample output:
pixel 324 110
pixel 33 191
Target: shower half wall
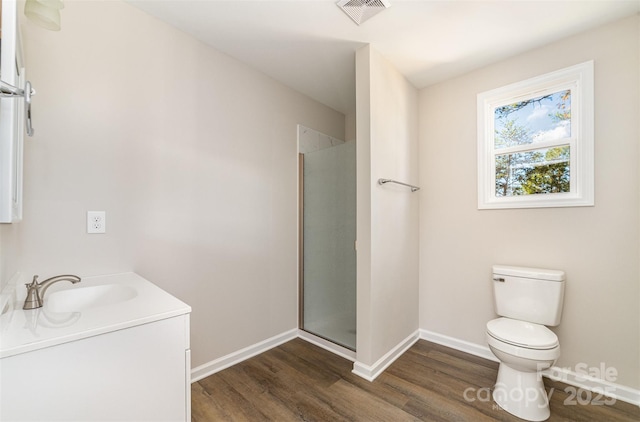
pixel 328 233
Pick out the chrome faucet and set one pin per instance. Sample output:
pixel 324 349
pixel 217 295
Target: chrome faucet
pixel 35 292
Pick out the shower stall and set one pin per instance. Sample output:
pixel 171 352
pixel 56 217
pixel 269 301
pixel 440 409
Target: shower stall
pixel 327 226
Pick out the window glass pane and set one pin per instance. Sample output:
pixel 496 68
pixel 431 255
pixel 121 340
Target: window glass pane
pixel 533 172
pixel 538 119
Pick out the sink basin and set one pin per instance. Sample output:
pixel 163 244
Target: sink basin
pixel 98 305
pixel 81 298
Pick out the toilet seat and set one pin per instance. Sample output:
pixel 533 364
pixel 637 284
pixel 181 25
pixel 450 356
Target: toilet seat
pixel 522 334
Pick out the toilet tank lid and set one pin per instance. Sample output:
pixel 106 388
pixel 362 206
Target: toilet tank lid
pixel 526 272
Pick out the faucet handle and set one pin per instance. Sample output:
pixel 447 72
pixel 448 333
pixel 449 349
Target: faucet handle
pixel 33 299
pixel 33 283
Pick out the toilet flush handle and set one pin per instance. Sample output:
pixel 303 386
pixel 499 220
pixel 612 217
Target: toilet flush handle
pixel 500 279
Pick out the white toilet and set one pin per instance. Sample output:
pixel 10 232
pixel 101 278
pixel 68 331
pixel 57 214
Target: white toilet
pixel 527 299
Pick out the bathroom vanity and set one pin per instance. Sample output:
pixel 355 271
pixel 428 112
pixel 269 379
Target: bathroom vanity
pixel 108 348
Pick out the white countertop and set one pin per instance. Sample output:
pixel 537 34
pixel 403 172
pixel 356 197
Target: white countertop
pixel 27 330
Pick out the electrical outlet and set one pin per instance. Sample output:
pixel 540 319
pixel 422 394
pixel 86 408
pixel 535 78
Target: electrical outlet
pixel 96 222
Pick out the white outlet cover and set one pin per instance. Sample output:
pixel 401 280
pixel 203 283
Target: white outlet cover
pixel 96 222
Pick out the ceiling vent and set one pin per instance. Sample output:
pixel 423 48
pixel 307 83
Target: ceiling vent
pixel 362 10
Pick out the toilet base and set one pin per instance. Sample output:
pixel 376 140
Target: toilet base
pixel 521 393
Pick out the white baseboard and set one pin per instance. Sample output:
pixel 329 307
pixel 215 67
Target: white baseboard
pixel 567 376
pixel 327 345
pixel 599 387
pixel 454 343
pixel 231 359
pixel 371 372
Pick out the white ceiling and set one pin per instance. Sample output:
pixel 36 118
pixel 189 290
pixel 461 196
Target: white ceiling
pixel 309 45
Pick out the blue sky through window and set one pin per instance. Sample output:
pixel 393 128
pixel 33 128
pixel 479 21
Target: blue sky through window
pixel 538 119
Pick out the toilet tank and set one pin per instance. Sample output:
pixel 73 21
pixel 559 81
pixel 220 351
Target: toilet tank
pixel 529 294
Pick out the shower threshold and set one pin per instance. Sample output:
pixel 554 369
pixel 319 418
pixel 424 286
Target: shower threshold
pixel 334 348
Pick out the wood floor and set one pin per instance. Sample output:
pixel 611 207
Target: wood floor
pixel 298 381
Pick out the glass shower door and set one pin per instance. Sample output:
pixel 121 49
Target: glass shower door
pixel 328 243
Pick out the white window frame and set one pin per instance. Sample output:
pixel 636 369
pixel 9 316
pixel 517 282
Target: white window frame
pixel 579 79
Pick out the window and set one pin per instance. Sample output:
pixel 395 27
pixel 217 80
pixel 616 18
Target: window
pixel 535 142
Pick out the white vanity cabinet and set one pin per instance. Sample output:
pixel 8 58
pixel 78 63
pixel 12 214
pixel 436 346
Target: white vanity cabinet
pixel 138 371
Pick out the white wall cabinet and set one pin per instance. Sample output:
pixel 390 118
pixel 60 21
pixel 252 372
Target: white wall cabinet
pixel 12 116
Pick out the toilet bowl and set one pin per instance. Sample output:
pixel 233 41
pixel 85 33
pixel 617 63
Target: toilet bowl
pixel 527 299
pixel 519 388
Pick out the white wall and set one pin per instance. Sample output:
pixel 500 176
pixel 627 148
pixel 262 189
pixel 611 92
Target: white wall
pixel 8 252
pixel 387 216
pixel 193 156
pixel 598 247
